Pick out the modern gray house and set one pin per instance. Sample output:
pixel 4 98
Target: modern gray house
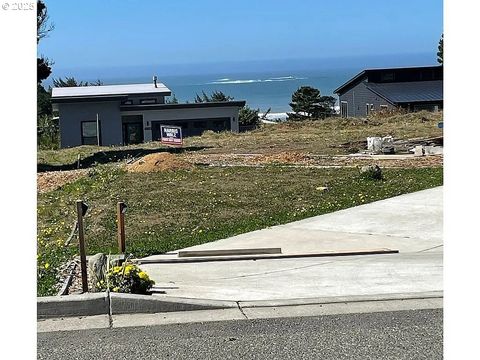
pixel 129 114
pixel 410 88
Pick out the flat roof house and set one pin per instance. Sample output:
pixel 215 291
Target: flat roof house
pixel 130 114
pixel 410 88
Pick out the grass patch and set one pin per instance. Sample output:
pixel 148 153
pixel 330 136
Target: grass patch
pixel 317 137
pixel 172 210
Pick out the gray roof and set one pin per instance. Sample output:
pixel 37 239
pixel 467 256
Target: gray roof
pixel 110 90
pixel 240 103
pixel 406 92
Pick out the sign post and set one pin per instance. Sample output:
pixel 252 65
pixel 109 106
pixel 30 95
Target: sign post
pixel 121 209
pixel 171 135
pixel 81 211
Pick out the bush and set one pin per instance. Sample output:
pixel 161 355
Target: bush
pixel 128 278
pixel 248 117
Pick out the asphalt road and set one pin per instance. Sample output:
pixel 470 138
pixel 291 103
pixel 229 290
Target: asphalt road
pixel 387 335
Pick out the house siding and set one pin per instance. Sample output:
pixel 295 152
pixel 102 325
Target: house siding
pixel 173 116
pixel 110 116
pixel 357 98
pixel 73 114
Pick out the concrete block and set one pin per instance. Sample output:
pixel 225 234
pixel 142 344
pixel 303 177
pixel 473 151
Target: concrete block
pixel 419 150
pixel 433 150
pixel 133 303
pixel 72 305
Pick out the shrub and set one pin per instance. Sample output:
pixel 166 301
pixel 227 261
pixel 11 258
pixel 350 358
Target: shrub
pixel 128 278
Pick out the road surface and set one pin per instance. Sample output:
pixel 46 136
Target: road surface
pixel 384 335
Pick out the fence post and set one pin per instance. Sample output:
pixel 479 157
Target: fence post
pixel 121 209
pixel 81 211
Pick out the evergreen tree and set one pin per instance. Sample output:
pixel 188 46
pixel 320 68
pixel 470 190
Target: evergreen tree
pixel 43 28
pixel 440 51
pixel 306 102
pixel 248 116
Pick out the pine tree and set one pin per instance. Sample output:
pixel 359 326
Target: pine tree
pixel 440 51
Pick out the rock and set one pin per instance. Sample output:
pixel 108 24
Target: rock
pixel 97 265
pixel 371 172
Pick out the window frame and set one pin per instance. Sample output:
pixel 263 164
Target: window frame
pixel 342 113
pixel 98 134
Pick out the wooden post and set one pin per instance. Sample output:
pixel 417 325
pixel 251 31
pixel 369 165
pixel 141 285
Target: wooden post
pixel 121 226
pixel 81 243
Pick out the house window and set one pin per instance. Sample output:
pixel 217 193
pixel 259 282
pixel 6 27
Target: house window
pixel 343 108
pixel 89 133
pixel 369 108
pixel 148 101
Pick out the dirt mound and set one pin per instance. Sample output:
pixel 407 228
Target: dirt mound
pixel 159 162
pixel 48 181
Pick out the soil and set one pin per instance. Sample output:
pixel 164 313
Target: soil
pixel 159 162
pixel 304 159
pixel 48 181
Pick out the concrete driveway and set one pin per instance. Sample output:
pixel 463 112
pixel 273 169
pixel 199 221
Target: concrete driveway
pixel 409 223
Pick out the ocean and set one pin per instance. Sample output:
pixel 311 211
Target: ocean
pixel 262 84
pixel 261 90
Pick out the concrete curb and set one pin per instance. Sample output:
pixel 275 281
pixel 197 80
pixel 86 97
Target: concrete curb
pixel 132 303
pixel 340 299
pixel 102 304
pixel 72 305
pixel 116 304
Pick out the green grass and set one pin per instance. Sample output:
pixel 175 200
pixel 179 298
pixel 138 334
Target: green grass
pixel 172 210
pixel 317 137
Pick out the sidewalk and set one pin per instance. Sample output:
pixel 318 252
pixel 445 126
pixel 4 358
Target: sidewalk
pixel 409 223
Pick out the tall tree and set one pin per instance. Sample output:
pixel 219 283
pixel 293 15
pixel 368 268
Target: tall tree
pixel 306 102
pixel 440 51
pixel 43 27
pixel 44 68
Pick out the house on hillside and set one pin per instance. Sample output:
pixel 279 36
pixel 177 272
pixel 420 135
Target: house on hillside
pixel 410 88
pixel 130 114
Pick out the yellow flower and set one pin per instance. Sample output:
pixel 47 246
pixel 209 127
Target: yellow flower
pixel 116 289
pixel 129 268
pixel 143 275
pixel 47 265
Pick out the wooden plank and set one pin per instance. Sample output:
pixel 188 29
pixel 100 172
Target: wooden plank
pixel 192 253
pixel 267 256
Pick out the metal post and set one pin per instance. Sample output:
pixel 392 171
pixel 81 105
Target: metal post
pixel 81 243
pixel 121 207
pixel 98 131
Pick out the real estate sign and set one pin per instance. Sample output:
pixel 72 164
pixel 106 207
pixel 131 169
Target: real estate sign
pixel 171 135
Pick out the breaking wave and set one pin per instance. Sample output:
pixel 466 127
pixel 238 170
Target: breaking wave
pixel 249 81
